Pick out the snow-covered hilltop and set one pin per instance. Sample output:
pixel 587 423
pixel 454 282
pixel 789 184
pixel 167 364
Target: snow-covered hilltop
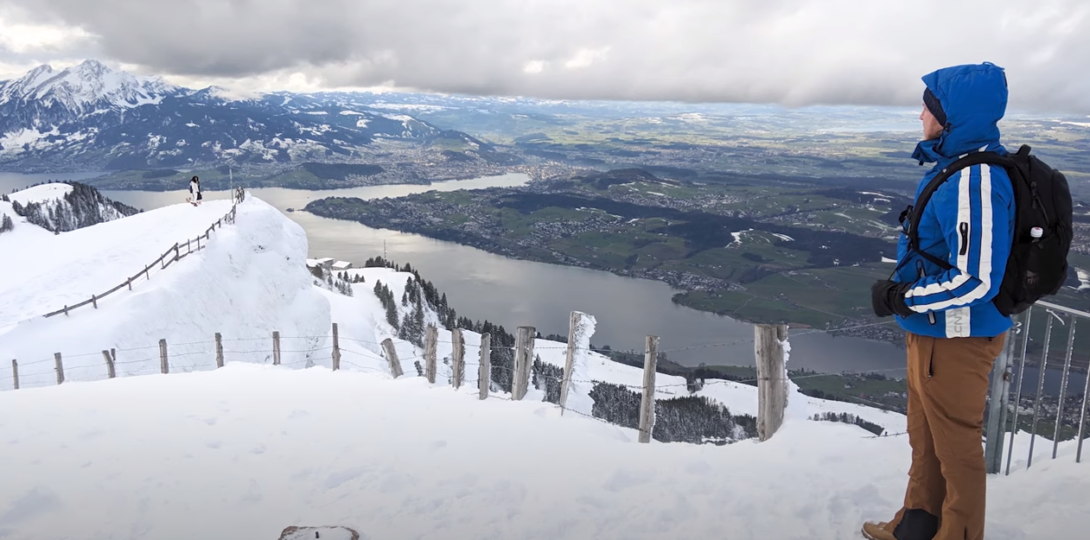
pixel 246 281
pixel 62 207
pixel 253 448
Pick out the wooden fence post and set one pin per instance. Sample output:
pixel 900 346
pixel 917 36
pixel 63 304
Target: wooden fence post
pixel 647 404
pixel 164 364
pixel 391 356
pixel 94 301
pixel 198 243
pixel 147 276
pixel 431 336
pixel 60 367
pixel 109 364
pixel 276 347
pixel 484 371
pixel 524 358
pixel 188 250
pixel 130 283
pixel 771 378
pixel 569 364
pixel 336 349
pixel 219 350
pixel 15 372
pixel 458 357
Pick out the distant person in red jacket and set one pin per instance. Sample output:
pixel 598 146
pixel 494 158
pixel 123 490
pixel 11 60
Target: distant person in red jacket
pixel 194 191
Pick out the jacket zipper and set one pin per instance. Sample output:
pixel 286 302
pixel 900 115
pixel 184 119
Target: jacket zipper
pixel 920 274
pixel 964 228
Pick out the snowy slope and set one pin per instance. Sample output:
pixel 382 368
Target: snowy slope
pixel 61 207
pixel 43 193
pixel 243 452
pixel 249 281
pixel 188 314
pixel 362 327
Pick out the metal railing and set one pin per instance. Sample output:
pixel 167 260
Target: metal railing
pixel 1004 416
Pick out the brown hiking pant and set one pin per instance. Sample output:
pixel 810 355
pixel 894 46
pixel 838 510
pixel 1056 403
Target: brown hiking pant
pixel 947 389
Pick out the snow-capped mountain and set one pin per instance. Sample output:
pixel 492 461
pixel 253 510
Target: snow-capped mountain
pixel 82 89
pixel 92 117
pixel 62 207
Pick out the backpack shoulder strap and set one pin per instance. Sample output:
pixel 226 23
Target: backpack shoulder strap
pixel 970 160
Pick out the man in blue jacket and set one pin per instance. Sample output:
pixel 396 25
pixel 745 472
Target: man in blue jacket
pixel 954 332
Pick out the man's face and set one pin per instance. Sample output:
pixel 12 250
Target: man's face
pixel 932 129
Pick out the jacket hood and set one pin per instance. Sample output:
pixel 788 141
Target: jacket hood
pixel 974 97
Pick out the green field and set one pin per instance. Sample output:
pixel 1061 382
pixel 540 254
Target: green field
pixel 752 274
pixel 812 297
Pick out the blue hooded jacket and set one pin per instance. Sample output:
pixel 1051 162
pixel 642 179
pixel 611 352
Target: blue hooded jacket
pixel 969 220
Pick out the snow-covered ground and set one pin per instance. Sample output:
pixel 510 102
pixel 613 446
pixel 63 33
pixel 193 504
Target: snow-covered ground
pixel 245 451
pixel 249 281
pixel 248 450
pixel 43 193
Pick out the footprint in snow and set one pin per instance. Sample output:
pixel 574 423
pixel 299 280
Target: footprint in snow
pixel 623 479
pixel 698 467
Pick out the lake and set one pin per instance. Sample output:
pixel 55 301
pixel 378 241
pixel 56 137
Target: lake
pixel 481 285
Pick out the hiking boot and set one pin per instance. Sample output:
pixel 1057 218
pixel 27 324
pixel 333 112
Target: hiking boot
pixel 877 531
pixel 915 525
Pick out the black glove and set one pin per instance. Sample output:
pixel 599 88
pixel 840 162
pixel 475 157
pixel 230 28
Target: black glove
pixel 888 298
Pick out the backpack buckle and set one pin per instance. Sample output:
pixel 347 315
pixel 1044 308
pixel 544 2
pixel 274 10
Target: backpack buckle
pixel 905 214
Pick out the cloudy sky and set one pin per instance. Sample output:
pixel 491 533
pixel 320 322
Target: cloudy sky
pixel 791 52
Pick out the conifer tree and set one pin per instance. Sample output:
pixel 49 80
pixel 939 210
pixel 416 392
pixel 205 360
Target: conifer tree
pixel 391 312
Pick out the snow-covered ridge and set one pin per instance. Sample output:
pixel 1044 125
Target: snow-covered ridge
pixel 62 207
pixel 42 193
pixel 248 280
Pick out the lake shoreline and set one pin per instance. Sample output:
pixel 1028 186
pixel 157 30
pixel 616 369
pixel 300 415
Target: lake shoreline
pixel 515 292
pixel 856 328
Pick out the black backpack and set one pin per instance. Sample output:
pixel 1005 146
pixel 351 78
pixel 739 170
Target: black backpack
pixel 1037 267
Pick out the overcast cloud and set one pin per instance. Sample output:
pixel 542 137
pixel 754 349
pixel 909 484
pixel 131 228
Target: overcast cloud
pixel 792 52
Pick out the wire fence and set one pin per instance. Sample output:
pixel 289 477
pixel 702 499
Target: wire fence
pixel 369 356
pixel 191 246
pixel 206 348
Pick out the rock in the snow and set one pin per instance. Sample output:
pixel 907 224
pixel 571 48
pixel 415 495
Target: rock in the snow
pixel 321 533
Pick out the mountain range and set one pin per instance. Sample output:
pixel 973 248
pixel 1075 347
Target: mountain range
pixel 91 117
